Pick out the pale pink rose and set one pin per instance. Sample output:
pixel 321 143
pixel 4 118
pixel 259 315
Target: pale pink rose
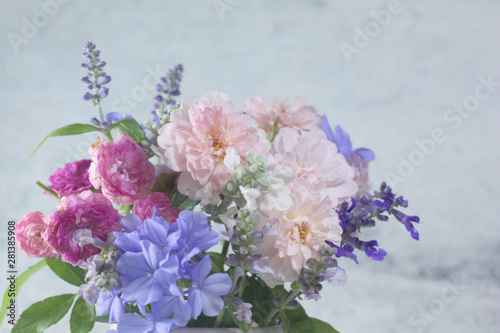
pixel 87 210
pixel 297 115
pixel 197 137
pixel 30 237
pixel 298 235
pixel 121 170
pixel 144 207
pixel 361 174
pixel 315 161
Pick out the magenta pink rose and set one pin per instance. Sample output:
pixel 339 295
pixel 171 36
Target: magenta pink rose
pixel 144 207
pixel 72 179
pixel 87 210
pixel 121 170
pixel 30 235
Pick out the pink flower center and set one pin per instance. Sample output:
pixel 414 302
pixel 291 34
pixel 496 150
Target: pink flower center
pixel 302 227
pixel 218 145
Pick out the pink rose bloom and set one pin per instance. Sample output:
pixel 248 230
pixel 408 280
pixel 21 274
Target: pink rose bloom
pixel 197 137
pixel 87 210
pixel 297 235
pixel 316 163
pixel 361 175
pixel 72 179
pixel 298 115
pixel 144 207
pixel 30 237
pixel 121 170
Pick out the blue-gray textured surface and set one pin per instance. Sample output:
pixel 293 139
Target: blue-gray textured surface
pixel 391 94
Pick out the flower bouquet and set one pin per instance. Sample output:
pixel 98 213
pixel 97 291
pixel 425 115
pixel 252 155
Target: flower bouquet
pixel 246 212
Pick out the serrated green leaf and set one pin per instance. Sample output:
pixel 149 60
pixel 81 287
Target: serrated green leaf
pixel 102 319
pixel 81 317
pixel 183 202
pixel 19 282
pixel 43 314
pixel 73 129
pixel 69 273
pixel 130 127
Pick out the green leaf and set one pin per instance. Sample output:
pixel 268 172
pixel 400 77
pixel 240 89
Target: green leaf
pixel 19 282
pixel 69 273
pixel 43 314
pixel 300 321
pixel 81 317
pixel 209 322
pixel 217 262
pixel 183 202
pixel 130 127
pixel 274 131
pixel 261 298
pixel 321 326
pixel 102 319
pixel 285 321
pixel 72 129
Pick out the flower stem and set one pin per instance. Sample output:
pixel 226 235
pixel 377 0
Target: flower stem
pixel 106 131
pixel 290 298
pixel 48 190
pixel 243 284
pixel 101 117
pixel 218 320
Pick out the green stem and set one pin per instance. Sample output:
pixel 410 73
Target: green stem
pixel 225 248
pixel 106 132
pixel 218 320
pixel 243 284
pixel 48 190
pixel 290 298
pixel 101 117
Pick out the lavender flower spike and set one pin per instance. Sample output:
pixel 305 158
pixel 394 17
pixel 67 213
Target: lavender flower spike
pixel 96 78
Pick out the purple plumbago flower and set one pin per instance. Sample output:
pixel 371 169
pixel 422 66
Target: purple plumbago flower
pixel 172 302
pixel 195 234
pixel 205 292
pixel 140 273
pixel 343 141
pixel 111 302
pixel 96 78
pixel 133 323
pixel 358 158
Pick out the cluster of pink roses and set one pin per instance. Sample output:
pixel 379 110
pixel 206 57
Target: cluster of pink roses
pixel 119 172
pixel 309 176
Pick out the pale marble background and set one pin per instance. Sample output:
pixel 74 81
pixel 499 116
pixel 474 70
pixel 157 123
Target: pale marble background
pixel 397 90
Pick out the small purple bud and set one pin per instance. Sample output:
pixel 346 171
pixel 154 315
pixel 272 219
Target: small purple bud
pixel 95 122
pixel 88 96
pixel 277 302
pixel 86 80
pixel 106 80
pixel 104 92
